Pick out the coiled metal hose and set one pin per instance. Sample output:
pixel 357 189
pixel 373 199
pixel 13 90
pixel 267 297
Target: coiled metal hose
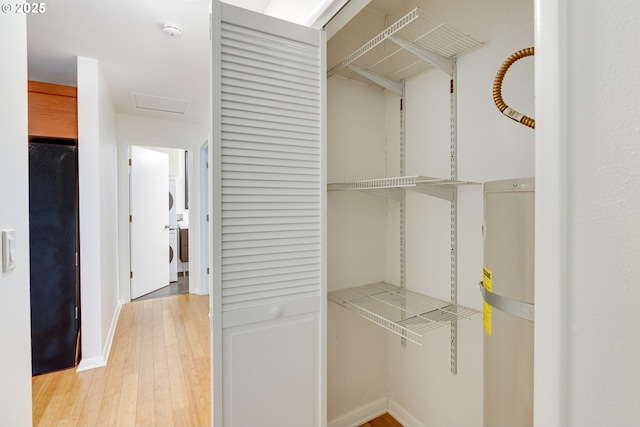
pixel 497 89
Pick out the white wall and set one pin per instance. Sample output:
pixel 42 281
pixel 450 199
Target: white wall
pixel 15 352
pixel 98 207
pixel 587 205
pixel 356 238
pixel 151 132
pixel 420 387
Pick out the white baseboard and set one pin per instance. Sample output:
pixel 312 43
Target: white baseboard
pixel 92 363
pixel 112 332
pixel 100 361
pixel 402 415
pixel 361 415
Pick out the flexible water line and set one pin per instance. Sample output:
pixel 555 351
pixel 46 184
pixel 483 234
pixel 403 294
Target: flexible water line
pixel 497 89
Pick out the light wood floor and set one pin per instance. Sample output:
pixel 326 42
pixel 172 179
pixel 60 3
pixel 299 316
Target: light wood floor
pixel 385 420
pixel 158 373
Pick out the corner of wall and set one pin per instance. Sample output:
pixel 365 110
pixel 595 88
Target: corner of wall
pixel 97 210
pixel 15 354
pixel 402 415
pixel 362 414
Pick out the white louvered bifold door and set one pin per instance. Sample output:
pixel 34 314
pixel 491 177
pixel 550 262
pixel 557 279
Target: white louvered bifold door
pixel 269 293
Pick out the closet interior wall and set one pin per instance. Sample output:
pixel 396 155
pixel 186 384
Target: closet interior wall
pixel 369 371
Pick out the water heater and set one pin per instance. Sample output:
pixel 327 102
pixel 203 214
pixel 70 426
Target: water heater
pixel 508 312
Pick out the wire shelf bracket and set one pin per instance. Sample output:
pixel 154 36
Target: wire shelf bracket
pixel 442 62
pixel 385 82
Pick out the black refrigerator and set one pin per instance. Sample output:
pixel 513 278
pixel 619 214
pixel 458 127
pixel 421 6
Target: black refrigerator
pixel 54 252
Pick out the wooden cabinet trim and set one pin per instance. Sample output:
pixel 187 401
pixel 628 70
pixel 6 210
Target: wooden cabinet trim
pixel 53 110
pixel 53 89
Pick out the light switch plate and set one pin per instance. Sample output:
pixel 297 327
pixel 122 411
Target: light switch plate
pixel 8 250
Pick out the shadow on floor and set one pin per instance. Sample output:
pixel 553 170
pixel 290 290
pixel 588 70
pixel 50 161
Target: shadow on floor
pixel 174 288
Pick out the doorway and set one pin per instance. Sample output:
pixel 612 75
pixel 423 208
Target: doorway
pixel 165 172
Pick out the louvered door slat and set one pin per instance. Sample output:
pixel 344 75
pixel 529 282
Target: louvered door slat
pixel 262 98
pixel 259 245
pixel 271 168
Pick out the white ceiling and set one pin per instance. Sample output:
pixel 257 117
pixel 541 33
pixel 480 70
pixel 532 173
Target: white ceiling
pixel 136 57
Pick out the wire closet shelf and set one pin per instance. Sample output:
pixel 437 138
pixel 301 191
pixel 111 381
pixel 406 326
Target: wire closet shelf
pixel 383 55
pixel 399 310
pixel 392 187
pixel 413 44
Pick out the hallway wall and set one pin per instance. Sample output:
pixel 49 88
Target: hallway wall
pixel 15 351
pixel 587 206
pixel 152 132
pixel 98 209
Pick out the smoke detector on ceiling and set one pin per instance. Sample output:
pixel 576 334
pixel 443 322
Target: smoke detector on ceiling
pixel 171 30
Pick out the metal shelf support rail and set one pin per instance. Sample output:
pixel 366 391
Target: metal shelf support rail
pixel 403 202
pixel 453 105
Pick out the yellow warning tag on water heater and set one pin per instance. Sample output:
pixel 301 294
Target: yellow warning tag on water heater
pixel 486 308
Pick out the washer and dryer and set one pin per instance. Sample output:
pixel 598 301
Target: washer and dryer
pixel 173 231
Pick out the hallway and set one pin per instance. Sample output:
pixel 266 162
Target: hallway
pixel 158 372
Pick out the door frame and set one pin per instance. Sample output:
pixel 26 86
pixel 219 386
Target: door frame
pixel 124 198
pixel 205 209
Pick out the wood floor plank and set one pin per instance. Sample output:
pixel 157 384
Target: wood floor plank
pixel 158 373
pixel 162 381
pixel 91 407
pixel 54 411
pixel 146 377
pixel 385 420
pixel 43 387
pixel 127 406
pixel 108 413
pixel 76 396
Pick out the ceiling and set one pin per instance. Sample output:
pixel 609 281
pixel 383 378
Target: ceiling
pixel 140 62
pixel 135 55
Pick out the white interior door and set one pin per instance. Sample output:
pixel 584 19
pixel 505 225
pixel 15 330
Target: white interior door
pixel 268 221
pixel 149 220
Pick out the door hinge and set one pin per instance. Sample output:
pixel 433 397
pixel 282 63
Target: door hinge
pixel 76 259
pixel 131 275
pixel 207 217
pixel 76 313
pixel 129 162
pixel 207 270
pixel 130 218
pixel 207 165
